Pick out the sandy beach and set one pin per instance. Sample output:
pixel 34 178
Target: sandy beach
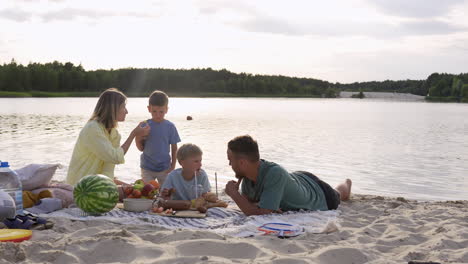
pixel 372 229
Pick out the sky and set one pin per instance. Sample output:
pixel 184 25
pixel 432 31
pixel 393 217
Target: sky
pixel 335 40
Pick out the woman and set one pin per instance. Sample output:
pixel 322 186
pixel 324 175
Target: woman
pixel 98 149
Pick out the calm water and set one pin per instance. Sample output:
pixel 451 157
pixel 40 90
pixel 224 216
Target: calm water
pixel 413 149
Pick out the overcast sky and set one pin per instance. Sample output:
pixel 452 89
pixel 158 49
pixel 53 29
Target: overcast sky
pixel 335 40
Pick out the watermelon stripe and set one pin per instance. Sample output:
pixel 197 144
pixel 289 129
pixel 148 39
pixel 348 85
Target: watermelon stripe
pixel 96 194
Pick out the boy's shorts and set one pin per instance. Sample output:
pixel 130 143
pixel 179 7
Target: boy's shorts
pixel 147 175
pixel 331 195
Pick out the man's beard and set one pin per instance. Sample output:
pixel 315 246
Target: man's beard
pixel 239 176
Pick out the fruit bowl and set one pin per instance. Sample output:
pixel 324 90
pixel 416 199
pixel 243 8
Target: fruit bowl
pixel 137 204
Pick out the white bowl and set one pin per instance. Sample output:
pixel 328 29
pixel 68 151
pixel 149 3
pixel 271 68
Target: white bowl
pixel 137 204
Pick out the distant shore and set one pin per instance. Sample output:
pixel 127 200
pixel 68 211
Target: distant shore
pixel 375 95
pixel 383 95
pixel 8 94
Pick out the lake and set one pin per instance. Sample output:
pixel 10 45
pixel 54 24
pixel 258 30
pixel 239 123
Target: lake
pixel 417 150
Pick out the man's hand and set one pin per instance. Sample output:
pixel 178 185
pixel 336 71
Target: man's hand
pixel 232 187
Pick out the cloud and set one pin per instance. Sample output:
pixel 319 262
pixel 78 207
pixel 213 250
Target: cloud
pixel 430 27
pixel 349 28
pixel 207 7
pixel 73 13
pixel 425 20
pixel 17 15
pixel 273 25
pixel 40 1
pixel 416 8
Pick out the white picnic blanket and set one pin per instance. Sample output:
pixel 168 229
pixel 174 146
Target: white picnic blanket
pixel 225 221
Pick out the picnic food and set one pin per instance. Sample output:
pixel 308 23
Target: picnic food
pixel 157 209
pixel 200 204
pixel 96 194
pixel 200 201
pixel 209 200
pixel 147 189
pixel 140 189
pixel 176 204
pixel 154 183
pixel 210 197
pixel 138 185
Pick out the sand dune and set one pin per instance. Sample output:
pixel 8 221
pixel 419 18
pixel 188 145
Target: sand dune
pixel 372 230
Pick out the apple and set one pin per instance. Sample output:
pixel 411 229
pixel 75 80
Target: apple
pixel 140 181
pixel 136 193
pixel 153 193
pixel 147 189
pixel 139 184
pixel 128 190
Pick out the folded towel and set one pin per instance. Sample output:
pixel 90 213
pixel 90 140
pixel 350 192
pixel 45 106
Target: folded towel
pixel 46 205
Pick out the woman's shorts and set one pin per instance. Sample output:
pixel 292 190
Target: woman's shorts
pixel 331 195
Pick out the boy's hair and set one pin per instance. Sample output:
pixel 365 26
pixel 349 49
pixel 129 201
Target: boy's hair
pixel 158 98
pixel 188 150
pixel 244 147
pixel 107 107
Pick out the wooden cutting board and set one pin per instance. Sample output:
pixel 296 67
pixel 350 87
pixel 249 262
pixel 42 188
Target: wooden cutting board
pixel 183 214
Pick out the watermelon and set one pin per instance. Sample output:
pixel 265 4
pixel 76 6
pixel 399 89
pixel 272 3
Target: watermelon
pixel 96 194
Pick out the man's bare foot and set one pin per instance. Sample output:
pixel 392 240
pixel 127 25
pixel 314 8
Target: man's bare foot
pixel 344 189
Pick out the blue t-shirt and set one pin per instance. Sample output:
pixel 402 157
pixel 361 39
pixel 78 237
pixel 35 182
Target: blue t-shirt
pixel 185 190
pixel 155 156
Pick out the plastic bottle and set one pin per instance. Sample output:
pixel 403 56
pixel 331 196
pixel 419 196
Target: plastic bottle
pixel 11 184
pixel 7 206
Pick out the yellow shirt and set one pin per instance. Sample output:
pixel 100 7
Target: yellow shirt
pixel 96 152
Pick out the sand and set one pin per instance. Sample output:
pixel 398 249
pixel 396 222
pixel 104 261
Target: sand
pixel 372 230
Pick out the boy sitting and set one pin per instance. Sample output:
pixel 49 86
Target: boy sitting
pixel 189 183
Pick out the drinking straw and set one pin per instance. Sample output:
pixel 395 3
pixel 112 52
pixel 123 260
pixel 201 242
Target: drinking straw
pixel 196 185
pixel 216 183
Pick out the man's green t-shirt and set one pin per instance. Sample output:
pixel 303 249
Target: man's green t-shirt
pixel 277 189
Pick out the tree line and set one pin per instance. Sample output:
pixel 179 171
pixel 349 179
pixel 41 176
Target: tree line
pixel 57 77
pixel 437 87
pixel 66 77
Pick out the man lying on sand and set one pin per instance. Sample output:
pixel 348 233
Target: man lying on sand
pixel 267 187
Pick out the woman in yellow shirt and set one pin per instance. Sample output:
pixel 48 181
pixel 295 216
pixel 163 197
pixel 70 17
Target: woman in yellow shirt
pixel 98 148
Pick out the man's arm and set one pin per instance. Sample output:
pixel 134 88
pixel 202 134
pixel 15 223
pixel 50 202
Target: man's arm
pixel 247 207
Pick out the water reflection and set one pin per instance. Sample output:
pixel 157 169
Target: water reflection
pixel 416 150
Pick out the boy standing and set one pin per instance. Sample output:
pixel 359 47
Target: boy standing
pixel 160 146
pixel 190 181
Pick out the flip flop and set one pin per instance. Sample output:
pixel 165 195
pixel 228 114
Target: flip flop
pixel 16 223
pixel 39 223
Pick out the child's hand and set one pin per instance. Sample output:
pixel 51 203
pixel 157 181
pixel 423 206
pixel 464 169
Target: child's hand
pixel 166 193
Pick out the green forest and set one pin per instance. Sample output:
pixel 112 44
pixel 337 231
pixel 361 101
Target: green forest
pixel 67 79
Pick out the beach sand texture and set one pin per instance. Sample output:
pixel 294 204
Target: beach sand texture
pixel 373 230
